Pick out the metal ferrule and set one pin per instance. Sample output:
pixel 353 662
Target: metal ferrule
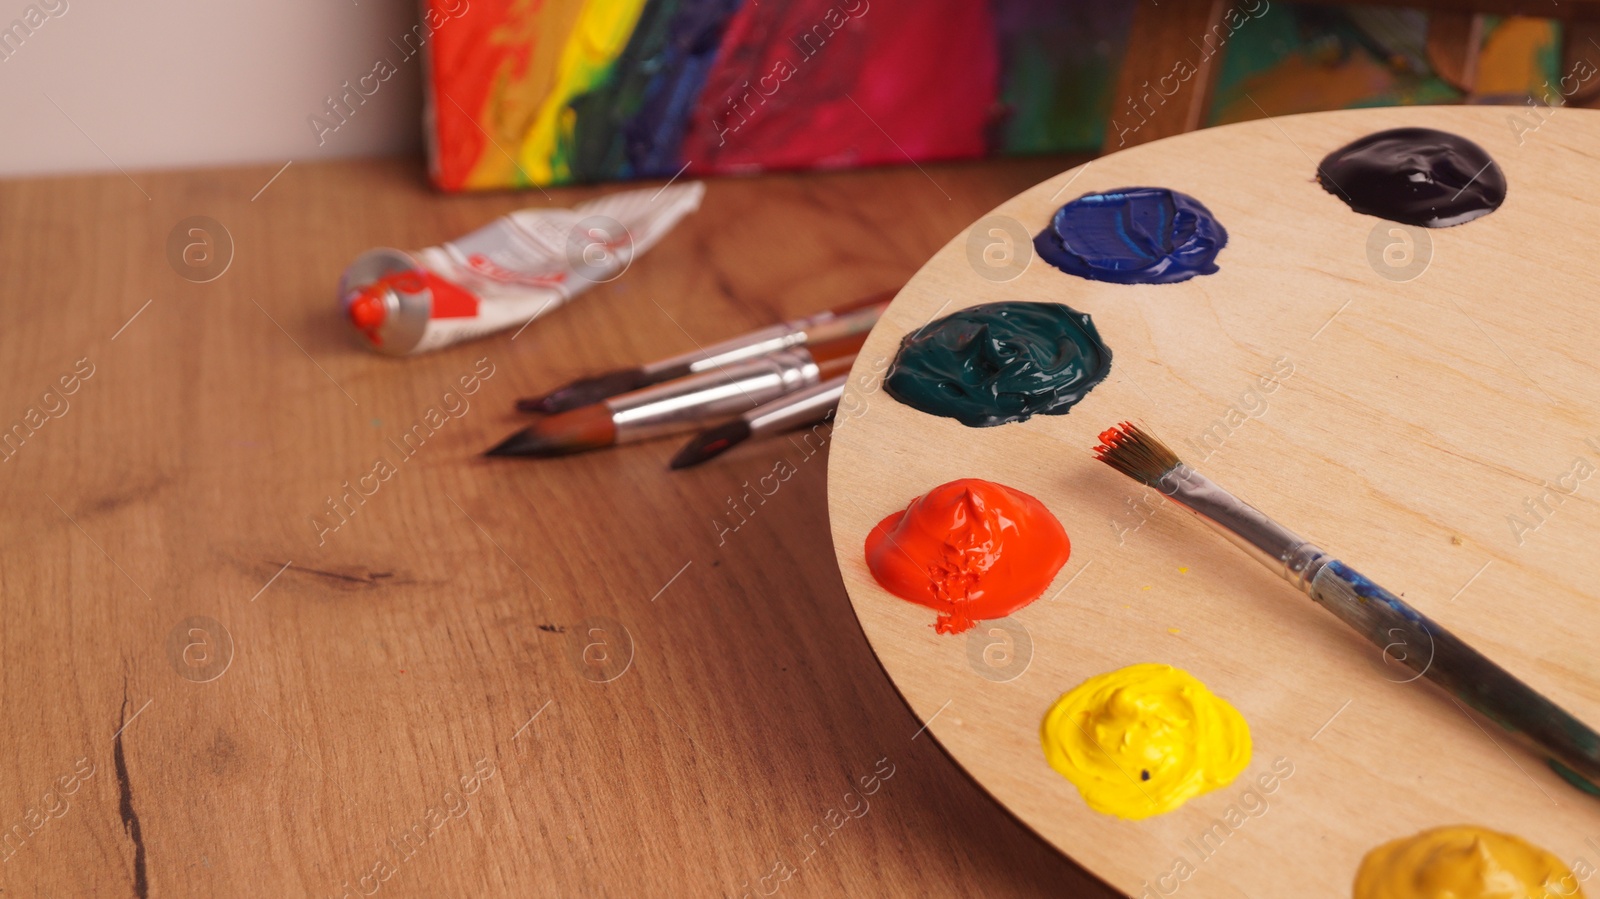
pixel 771 339
pixel 1293 557
pixel 721 393
pixel 797 409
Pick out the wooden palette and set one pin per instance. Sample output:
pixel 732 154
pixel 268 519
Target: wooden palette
pixel 1419 417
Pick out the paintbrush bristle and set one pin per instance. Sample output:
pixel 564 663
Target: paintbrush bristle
pixel 711 443
pixel 576 431
pixel 585 391
pixel 1136 453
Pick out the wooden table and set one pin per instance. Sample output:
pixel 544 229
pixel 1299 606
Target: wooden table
pixel 565 677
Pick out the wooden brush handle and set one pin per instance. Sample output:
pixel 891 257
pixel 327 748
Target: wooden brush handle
pixel 1570 746
pixel 839 348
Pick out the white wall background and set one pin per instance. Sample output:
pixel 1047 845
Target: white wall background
pixel 170 83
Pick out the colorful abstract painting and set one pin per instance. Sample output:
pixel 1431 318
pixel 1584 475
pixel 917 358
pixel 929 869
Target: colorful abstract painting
pixel 1304 58
pixel 545 92
pixel 540 92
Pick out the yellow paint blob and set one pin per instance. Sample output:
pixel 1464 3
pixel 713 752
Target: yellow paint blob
pixel 1463 862
pixel 1145 739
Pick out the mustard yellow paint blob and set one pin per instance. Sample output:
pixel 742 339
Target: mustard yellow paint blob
pixel 1463 862
pixel 597 39
pixel 1145 739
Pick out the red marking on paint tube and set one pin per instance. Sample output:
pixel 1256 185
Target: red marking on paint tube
pixel 485 266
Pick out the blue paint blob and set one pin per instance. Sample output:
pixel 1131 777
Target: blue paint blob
pixel 1134 235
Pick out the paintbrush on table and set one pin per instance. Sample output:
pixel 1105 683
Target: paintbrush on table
pixel 686 404
pixel 824 327
pixel 1570 746
pixel 798 409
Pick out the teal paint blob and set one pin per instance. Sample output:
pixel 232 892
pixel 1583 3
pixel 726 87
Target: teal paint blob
pixel 1000 362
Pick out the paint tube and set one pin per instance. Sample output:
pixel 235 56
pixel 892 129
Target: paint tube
pixel 505 274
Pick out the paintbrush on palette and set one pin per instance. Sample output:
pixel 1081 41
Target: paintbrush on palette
pixel 1570 746
pixel 824 327
pixel 686 404
pixel 803 407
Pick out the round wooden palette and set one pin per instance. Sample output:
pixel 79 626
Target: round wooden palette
pixel 1418 437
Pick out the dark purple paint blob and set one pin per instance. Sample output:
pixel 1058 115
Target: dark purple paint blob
pixel 1415 176
pixel 1134 235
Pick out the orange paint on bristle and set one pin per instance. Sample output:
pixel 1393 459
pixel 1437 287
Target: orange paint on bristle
pixel 1113 436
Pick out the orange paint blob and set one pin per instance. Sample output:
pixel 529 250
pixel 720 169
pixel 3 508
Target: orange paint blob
pixel 970 550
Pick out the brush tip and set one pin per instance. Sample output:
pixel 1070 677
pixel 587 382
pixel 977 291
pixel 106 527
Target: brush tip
pixel 511 446
pixel 575 431
pixel 711 443
pixel 585 392
pixel 1136 453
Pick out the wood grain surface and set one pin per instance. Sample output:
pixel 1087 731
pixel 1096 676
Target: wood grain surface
pixel 1421 403
pixel 566 677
